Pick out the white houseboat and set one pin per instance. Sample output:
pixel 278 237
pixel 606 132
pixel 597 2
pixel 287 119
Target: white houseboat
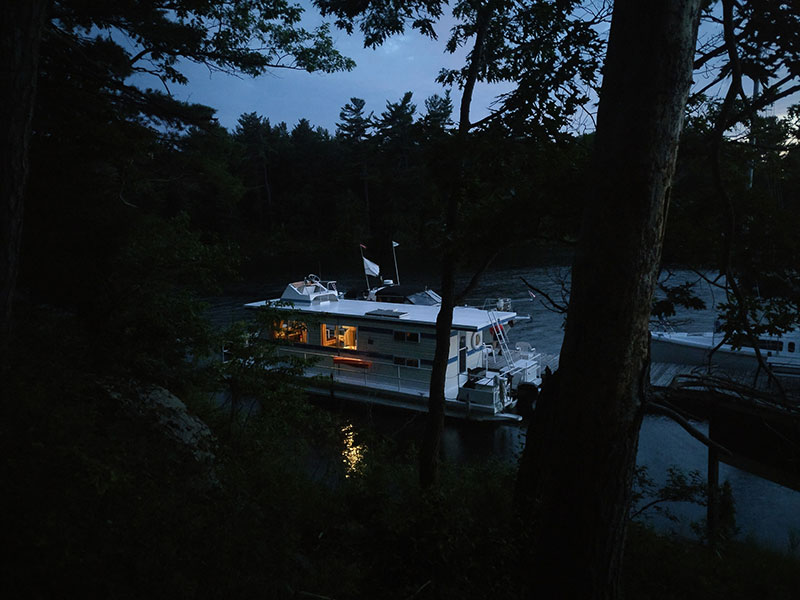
pixel 782 353
pixel 382 353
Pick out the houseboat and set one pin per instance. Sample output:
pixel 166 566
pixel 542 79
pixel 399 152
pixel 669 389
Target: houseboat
pixel 382 352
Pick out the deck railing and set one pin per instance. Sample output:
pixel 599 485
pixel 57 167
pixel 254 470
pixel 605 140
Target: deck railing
pixel 393 382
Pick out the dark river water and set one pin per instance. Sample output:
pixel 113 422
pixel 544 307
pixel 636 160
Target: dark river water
pixel 765 512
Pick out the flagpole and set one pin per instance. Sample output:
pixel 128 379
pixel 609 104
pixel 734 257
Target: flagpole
pixel 366 277
pixel 396 272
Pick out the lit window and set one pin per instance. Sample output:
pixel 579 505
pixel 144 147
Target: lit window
pixel 339 336
pixel 291 331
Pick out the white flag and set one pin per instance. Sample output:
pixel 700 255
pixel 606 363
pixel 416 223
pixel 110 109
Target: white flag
pixel 370 268
pixel 395 244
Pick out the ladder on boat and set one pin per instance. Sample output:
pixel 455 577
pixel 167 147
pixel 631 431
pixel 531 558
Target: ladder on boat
pixel 497 330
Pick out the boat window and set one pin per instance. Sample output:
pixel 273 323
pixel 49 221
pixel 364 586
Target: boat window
pixel 406 362
pixel 791 346
pixel 339 336
pixel 406 336
pixel 291 331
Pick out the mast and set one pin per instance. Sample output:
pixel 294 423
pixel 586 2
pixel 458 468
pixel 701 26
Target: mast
pixel 366 277
pixel 396 272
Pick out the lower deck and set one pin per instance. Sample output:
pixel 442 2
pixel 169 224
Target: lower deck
pixel 480 394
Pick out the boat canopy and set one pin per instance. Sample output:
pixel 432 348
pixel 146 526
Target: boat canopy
pixel 310 290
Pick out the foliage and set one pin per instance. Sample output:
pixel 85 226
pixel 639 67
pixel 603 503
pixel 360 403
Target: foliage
pixel 380 19
pixel 547 51
pixel 661 567
pixel 679 487
pixel 675 295
pixel 251 362
pixel 247 37
pixel 100 501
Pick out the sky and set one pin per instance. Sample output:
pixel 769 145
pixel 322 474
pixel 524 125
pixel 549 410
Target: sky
pixel 408 62
pixel 404 63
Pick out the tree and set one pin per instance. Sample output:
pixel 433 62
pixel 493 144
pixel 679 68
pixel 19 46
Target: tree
pixel 355 125
pixel 438 112
pixel 91 49
pixel 574 485
pixel 254 133
pixel 354 130
pixel 20 36
pixel 512 42
pixel 760 40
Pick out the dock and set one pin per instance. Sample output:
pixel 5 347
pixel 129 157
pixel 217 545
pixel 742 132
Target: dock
pixel 753 418
pixel 665 375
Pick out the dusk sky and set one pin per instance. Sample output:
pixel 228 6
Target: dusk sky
pixel 404 63
pixel 408 62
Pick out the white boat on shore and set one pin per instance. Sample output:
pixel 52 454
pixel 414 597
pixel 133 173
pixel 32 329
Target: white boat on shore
pixel 782 353
pixel 382 353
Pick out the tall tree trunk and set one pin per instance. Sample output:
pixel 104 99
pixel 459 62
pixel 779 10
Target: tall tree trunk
pixel 574 484
pixel 21 23
pixel 434 426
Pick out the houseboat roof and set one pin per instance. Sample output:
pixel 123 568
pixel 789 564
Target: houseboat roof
pixel 465 318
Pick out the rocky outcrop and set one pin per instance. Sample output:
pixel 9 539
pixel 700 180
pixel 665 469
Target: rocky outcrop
pixel 166 413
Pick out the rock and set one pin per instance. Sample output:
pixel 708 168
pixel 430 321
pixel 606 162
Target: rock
pixel 170 416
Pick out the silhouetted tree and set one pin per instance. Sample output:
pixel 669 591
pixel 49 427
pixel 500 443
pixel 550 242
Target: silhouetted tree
pixel 574 486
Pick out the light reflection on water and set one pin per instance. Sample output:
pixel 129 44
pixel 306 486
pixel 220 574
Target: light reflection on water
pixel 352 453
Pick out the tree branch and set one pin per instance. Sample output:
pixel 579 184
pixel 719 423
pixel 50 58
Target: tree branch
pixel 556 307
pixel 688 427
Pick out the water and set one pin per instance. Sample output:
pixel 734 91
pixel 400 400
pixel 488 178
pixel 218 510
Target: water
pixel 765 512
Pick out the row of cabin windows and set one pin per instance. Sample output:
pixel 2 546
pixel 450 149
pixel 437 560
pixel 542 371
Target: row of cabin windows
pixel 333 336
pixel 339 337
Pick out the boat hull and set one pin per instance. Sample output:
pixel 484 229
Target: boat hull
pixel 696 349
pixel 338 390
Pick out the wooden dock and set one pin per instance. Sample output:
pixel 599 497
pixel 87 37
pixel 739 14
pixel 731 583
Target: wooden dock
pixel 755 418
pixel 671 375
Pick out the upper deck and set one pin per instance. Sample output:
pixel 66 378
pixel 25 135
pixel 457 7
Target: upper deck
pixel 465 318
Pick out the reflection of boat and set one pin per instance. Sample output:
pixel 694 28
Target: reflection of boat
pixel 383 353
pixel 782 353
